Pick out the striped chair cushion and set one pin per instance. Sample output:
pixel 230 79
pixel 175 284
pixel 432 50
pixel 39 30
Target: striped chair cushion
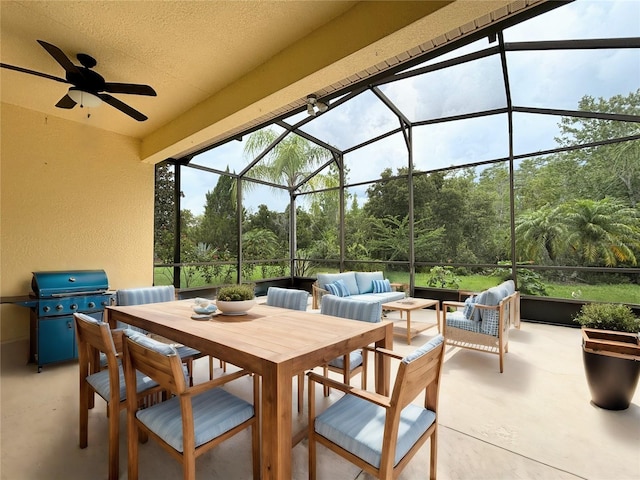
pixel 140 296
pixel 354 310
pixel 358 426
pixel 287 298
pixel 427 347
pixel 148 342
pixel 100 383
pixel 214 413
pixel 355 360
pixel 351 308
pixel 458 320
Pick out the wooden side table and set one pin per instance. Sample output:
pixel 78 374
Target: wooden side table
pixel 408 305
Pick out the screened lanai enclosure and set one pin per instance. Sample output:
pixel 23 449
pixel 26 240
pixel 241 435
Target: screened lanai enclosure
pixel 507 153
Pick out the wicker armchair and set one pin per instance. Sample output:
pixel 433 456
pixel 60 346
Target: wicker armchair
pixel 483 323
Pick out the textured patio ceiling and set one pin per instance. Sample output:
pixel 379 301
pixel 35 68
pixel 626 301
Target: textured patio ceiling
pixel 220 67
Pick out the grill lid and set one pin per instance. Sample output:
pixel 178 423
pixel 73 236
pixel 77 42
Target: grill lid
pixel 64 283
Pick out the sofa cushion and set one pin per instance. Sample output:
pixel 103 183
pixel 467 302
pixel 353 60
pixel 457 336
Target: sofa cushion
pixel 365 280
pixel 349 279
pixel 381 286
pixel 380 297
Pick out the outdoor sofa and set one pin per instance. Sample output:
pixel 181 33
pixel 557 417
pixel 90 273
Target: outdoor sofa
pixel 370 286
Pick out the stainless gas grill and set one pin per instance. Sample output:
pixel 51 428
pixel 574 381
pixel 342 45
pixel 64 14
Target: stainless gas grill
pixel 55 298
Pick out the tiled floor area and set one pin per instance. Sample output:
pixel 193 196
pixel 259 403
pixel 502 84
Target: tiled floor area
pixel 534 421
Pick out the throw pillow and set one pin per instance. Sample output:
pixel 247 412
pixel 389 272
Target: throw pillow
pixel 469 307
pixel 332 288
pixel 338 288
pixel 381 286
pixel 342 287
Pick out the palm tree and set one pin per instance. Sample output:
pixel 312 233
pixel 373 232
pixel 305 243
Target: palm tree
pixel 540 234
pixel 288 162
pixel 603 231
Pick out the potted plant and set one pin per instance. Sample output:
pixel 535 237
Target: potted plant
pixel 236 299
pixel 610 353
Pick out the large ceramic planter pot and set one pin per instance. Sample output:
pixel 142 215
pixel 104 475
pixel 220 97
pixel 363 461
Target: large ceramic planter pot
pixel 612 366
pixel 235 308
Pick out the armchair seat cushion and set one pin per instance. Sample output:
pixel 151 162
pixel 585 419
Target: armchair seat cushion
pixel 100 383
pixel 355 360
pixel 165 419
pixel 458 320
pixel 358 426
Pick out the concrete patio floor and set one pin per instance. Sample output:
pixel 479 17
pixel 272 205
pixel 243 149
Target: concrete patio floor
pixel 534 421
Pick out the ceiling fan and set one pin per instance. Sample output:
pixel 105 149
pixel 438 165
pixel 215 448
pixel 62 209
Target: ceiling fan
pixel 88 87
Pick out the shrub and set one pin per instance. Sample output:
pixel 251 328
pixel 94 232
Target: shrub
pixel 608 316
pixel 443 277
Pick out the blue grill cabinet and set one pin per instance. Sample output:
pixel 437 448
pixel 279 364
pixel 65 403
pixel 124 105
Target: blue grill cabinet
pixel 56 297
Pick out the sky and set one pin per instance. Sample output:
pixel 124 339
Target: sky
pixel 538 79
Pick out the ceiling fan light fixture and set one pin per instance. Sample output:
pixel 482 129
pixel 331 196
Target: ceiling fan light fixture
pixel 310 111
pixel 84 99
pixel 315 106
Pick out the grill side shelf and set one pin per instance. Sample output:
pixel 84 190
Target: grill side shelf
pixel 21 300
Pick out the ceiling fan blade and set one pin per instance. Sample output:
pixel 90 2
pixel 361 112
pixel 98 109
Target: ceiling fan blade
pixel 32 72
pixel 131 88
pixel 123 107
pixel 60 57
pixel 66 102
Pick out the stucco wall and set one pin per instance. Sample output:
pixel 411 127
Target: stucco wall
pixel 71 197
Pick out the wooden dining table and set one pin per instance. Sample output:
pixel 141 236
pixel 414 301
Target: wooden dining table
pixel 275 343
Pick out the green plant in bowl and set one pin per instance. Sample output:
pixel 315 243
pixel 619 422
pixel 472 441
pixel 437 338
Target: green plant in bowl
pixel 236 293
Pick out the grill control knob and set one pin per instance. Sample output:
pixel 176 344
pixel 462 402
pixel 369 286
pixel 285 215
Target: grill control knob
pixel 91 305
pixel 46 309
pixel 74 306
pixel 59 307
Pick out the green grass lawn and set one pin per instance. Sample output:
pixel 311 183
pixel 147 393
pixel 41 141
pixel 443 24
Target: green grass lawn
pixel 617 293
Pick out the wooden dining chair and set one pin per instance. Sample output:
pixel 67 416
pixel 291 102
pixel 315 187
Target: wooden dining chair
pixel 294 300
pixel 353 363
pixel 156 294
pixel 195 419
pixel 94 338
pixel 377 433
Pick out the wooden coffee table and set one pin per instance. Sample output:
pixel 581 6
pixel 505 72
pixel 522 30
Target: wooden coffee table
pixel 408 305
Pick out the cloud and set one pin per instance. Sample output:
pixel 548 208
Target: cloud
pixel 549 79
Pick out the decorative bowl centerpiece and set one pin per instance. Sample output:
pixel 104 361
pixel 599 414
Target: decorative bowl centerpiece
pixel 236 299
pixel 203 306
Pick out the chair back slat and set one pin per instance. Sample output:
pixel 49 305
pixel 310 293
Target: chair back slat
pixel 93 336
pixel 166 370
pixel 416 376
